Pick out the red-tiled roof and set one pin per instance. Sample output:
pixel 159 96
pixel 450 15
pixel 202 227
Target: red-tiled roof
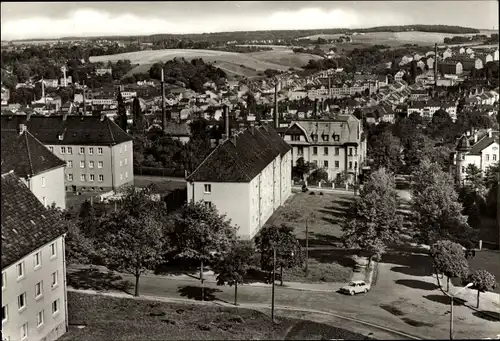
pixel 26 224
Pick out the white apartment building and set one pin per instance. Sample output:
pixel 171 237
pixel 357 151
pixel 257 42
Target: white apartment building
pixel 34 301
pixel 247 177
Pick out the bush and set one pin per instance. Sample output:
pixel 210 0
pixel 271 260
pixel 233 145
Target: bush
pixel 320 193
pixel 312 193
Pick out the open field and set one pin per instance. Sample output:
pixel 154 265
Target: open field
pixel 105 317
pixel 244 64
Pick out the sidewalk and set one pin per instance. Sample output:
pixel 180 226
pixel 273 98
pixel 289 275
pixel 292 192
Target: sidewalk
pixel 325 189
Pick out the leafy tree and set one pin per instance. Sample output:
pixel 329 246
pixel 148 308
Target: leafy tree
pixel 203 235
pixel 384 149
pixel 482 281
pixel 474 178
pixel 373 221
pixel 288 250
pixel 233 267
pixel 449 258
pixel 121 119
pixel 133 238
pixel 491 182
pixel 138 116
pixel 302 168
pixel 437 214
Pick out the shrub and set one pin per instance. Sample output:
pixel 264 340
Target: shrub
pixel 312 193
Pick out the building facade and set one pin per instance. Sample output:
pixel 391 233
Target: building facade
pixel 34 300
pixel 98 153
pixel 247 177
pixel 336 145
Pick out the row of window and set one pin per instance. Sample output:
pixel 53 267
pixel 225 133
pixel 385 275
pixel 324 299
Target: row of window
pixel 69 150
pixel 37 263
pixel 314 137
pixel 337 164
pixel 100 164
pixel 83 177
pixel 40 318
pixel 351 151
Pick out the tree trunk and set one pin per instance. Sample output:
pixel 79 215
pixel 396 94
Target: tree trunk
pixel 202 285
pixel 136 293
pixel 448 283
pixel 281 275
pixel 437 278
pixel 478 292
pixel 236 294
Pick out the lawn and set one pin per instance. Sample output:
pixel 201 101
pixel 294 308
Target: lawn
pixel 488 260
pixel 98 317
pixel 164 184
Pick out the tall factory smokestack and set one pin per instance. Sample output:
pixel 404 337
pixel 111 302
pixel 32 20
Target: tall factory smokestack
pixel 226 122
pixel 163 114
pixel 329 86
pixel 276 115
pixel 84 102
pixel 435 64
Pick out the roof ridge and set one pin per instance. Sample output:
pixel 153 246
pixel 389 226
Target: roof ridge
pixel 240 168
pixel 110 132
pixel 29 154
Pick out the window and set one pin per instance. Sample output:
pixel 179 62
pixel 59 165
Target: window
pixel 463 157
pixel 43 181
pixel 121 176
pixel 53 284
pixel 70 150
pixel 295 137
pixel 325 163
pixel 494 157
pixel 91 177
pixel 337 150
pixel 99 150
pixel 315 137
pixel 350 164
pixel 51 149
pixel 325 138
pixel 53 250
pixel 350 151
pixel 24 331
pixel 38 290
pixel 208 204
pixel 39 319
pixel 315 150
pixel 126 161
pixel 121 149
pixel 55 307
pixel 21 301
pixel 70 177
pixel 91 164
pixel 91 150
pixel 208 188
pixel 126 175
pixel 99 164
pixel 37 259
pixel 355 164
pixel 101 177
pixel 463 169
pixel 300 150
pixel 82 177
pixel 4 313
pixel 82 150
pixel 125 147
pixel 325 150
pixel 69 164
pixel 337 164
pixel 121 163
pixel 20 270
pixel 315 162
pixel 82 164
pixel 336 137
pixel 487 156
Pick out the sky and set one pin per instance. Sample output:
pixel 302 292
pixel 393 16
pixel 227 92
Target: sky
pixel 30 20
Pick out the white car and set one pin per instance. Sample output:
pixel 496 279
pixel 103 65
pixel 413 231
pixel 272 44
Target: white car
pixel 355 287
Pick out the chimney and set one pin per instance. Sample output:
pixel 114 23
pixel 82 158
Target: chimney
pixel 276 115
pixel 435 63
pixel 476 137
pixel 64 117
pixel 490 132
pixel 22 128
pixel 226 122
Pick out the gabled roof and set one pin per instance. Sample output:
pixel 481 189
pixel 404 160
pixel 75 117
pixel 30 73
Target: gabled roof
pixel 482 144
pixel 26 224
pixel 75 130
pixel 25 155
pixel 241 157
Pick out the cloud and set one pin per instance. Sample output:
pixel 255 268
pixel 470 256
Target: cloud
pixel 92 22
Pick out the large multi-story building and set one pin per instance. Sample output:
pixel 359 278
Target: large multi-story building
pixel 42 171
pixel 247 177
pixel 483 153
pixel 97 152
pixel 337 145
pixel 34 301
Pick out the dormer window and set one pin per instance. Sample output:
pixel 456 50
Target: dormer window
pixel 314 137
pixel 60 136
pixel 325 138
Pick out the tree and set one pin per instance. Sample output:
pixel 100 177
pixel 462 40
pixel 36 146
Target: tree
pixel 301 168
pixel 474 178
pixel 318 175
pixel 138 116
pixel 482 281
pixel 121 119
pixel 373 221
pixel 203 235
pixel 437 214
pixel 449 258
pixel 233 267
pixel 251 103
pixel 491 182
pixel 133 239
pixel 288 250
pixel 384 149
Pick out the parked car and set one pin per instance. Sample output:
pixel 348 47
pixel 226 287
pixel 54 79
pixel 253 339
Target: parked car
pixel 355 287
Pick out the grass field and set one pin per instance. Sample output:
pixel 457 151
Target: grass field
pixel 109 318
pixel 244 64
